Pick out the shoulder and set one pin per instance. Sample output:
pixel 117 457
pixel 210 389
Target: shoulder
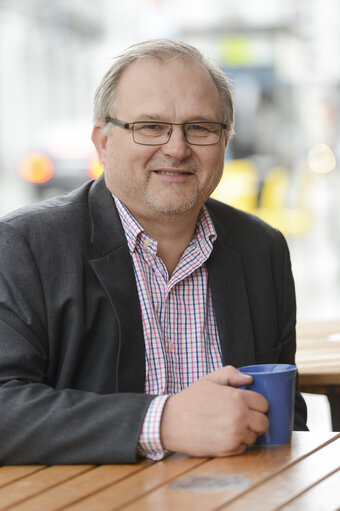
pixel 43 230
pixel 240 226
pixel 61 220
pixel 50 210
pixel 262 250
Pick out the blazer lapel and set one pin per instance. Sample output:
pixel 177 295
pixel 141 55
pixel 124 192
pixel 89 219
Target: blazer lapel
pixel 230 299
pixel 113 267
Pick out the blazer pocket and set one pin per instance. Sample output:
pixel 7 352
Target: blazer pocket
pixel 268 357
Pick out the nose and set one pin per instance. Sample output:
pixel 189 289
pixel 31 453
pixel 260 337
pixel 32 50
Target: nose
pixel 177 147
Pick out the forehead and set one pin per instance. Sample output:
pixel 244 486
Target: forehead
pixel 175 89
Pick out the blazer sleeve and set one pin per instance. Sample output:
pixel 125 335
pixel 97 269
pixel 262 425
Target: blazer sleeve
pixel 39 423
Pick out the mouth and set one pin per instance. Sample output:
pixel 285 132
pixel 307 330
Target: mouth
pixel 173 173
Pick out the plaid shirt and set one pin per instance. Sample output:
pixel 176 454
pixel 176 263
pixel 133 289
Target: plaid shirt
pixel 180 332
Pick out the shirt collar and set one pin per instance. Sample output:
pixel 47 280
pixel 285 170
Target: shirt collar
pixel 130 225
pixel 205 232
pixel 205 229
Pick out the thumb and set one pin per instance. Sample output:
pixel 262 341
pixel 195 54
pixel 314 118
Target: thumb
pixel 229 375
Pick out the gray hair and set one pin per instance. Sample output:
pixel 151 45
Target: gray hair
pixel 105 95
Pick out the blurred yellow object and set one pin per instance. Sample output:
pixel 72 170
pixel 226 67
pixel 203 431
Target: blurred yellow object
pixel 275 188
pixel 291 221
pixel 94 168
pixel 237 51
pixel 239 185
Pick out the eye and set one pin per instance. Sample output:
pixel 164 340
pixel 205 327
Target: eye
pixel 198 130
pixel 151 127
pixel 197 127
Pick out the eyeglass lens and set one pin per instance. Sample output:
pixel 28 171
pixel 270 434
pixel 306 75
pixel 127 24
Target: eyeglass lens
pixel 150 133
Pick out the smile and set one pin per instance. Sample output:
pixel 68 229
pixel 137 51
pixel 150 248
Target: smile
pixel 174 172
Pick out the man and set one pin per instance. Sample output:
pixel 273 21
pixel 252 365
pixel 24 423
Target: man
pixel 136 287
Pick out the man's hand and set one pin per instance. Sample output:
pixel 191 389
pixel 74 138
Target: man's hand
pixel 212 417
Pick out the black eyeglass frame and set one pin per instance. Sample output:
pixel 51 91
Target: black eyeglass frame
pixel 131 125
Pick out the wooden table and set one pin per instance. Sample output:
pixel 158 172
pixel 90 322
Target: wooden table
pixel 303 475
pixel 318 360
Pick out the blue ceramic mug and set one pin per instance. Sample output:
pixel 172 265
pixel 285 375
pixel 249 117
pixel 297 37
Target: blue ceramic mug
pixel 276 382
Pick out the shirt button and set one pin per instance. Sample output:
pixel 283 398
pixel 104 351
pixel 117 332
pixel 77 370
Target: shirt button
pixel 146 243
pixel 171 346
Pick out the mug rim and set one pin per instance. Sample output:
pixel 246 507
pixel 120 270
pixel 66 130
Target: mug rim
pixel 286 368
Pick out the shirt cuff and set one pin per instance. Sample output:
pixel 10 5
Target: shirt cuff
pixel 149 441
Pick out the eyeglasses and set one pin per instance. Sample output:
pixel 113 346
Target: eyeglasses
pixel 159 133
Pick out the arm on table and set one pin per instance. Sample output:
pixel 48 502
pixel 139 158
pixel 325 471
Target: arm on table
pixel 40 423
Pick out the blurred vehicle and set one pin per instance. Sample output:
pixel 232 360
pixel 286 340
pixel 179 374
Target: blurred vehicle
pixel 59 159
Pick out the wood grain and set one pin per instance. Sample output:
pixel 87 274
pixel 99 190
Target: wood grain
pixel 37 482
pixel 8 474
pixel 297 476
pixel 74 489
pixel 318 357
pixel 258 464
pixel 325 494
pixel 139 484
pixel 293 481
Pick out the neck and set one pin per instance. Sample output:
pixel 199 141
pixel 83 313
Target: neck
pixel 173 234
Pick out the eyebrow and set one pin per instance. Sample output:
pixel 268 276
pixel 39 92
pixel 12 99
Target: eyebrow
pixel 152 117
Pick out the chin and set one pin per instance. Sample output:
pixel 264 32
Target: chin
pixel 173 207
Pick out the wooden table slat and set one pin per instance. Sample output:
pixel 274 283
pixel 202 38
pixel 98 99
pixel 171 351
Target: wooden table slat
pixel 37 482
pixel 255 465
pixel 326 493
pixel 300 475
pixel 318 361
pixel 318 328
pixel 79 487
pixel 11 473
pixel 290 483
pixel 140 483
pixel 317 356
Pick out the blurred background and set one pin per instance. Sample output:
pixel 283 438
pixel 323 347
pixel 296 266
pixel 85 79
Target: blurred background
pixel 282 57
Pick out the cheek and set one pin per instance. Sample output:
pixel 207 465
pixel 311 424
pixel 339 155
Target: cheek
pixel 213 162
pixel 141 155
pixel 136 156
pixel 123 154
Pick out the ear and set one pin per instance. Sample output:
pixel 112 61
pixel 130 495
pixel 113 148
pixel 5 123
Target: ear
pixel 100 141
pixel 226 141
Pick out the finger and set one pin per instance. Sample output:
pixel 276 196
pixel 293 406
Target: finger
pixel 229 375
pixel 236 452
pixel 256 401
pixel 250 438
pixel 258 423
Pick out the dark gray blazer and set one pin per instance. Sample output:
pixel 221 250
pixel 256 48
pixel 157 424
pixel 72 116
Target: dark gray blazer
pixel 71 337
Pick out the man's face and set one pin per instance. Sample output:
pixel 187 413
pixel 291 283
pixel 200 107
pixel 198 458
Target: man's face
pixel 176 177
